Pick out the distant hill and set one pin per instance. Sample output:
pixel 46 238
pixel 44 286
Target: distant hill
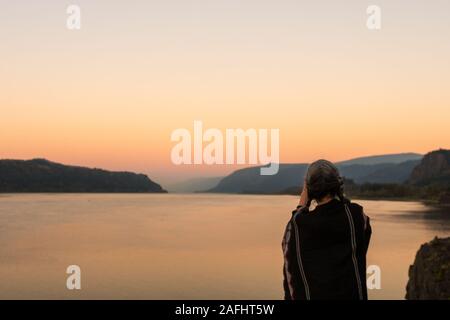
pixel 40 175
pixel 434 169
pixel 194 184
pixel 379 173
pixel 249 180
pixel 361 170
pixel 388 158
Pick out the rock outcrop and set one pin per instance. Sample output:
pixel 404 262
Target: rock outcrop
pixel 434 169
pixel 429 276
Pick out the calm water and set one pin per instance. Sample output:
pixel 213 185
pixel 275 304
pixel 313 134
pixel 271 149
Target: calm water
pixel 180 246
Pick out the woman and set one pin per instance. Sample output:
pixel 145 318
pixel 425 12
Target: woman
pixel 325 248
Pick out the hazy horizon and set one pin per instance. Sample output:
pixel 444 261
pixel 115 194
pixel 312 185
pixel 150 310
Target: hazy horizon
pixel 199 173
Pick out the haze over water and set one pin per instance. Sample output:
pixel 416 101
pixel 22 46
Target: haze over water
pixel 172 246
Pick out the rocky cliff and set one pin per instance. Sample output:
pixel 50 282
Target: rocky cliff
pixel 429 276
pixel 433 169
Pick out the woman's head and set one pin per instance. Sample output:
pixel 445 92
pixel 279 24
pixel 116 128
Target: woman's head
pixel 323 179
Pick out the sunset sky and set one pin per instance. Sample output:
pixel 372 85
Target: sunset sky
pixel 110 94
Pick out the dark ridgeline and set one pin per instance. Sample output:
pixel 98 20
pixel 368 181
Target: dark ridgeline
pixel 40 175
pixel 428 180
pixel 376 169
pixel 404 176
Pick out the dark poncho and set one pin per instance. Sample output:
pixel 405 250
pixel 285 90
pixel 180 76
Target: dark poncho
pixel 325 252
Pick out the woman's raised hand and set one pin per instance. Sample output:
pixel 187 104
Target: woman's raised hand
pixel 304 196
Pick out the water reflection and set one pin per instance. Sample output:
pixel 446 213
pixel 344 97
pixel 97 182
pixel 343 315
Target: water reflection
pixel 180 246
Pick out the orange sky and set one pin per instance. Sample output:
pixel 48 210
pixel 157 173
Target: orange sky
pixel 110 94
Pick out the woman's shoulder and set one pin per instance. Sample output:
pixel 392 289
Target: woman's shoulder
pixel 358 211
pixel 355 206
pixel 302 216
